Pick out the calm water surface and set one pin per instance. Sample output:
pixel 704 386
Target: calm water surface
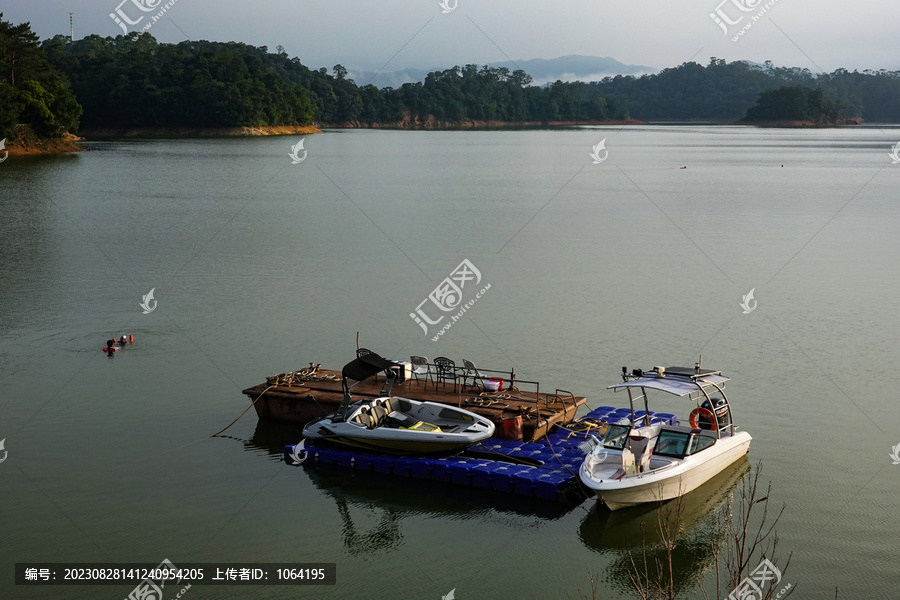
pixel 260 266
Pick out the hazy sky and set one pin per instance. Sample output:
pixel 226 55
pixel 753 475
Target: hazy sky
pixel 816 34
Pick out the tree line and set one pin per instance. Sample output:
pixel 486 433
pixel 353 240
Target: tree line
pixel 134 81
pixel 723 91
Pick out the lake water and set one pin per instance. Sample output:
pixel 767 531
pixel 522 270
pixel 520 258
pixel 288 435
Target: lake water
pixel 260 266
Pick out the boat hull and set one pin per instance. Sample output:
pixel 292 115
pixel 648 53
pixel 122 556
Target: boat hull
pixel 401 446
pixel 672 482
pixel 448 429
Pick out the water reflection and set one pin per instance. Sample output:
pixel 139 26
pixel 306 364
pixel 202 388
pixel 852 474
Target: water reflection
pixel 629 533
pixel 394 499
pixel 272 436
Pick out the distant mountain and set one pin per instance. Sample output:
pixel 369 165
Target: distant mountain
pixel 574 67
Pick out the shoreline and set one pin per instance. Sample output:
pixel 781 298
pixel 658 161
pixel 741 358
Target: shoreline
pixel 68 143
pixel 196 132
pixel 432 124
pixel 64 145
pixel 788 124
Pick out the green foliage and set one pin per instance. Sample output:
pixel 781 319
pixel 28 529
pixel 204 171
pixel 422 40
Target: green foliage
pixel 10 109
pixel 31 90
pixel 724 91
pixel 794 104
pixel 133 81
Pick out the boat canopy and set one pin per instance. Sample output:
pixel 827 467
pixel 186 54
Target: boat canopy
pixel 678 385
pixel 359 370
pixel 365 366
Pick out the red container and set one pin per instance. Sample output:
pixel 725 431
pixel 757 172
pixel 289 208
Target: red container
pixel 512 428
pixel 495 380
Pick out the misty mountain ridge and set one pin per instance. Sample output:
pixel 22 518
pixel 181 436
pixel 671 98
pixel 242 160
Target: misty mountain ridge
pixel 574 67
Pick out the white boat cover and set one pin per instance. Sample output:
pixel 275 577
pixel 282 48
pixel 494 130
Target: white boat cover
pixel 672 384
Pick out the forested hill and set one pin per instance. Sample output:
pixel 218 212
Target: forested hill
pixel 724 91
pixel 796 104
pixel 135 81
pixel 32 93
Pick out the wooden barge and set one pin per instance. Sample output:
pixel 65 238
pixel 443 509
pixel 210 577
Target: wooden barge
pixel 300 396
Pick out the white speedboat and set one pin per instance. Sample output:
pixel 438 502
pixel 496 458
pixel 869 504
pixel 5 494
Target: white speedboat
pixel 396 425
pixel 639 461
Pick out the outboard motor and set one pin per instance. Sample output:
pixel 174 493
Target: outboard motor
pixel 721 410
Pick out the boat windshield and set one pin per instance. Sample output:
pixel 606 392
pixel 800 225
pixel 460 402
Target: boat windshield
pixel 671 443
pixel 615 436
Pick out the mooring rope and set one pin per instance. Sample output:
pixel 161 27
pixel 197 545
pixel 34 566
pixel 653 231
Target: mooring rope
pixel 297 377
pixel 252 404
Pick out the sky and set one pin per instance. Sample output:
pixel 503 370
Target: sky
pixel 389 35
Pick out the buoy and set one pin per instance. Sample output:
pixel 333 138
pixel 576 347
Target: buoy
pixel 130 339
pixel 706 413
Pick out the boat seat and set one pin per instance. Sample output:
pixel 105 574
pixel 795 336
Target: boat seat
pixel 387 404
pixel 378 415
pixel 628 467
pixel 364 419
pixel 640 446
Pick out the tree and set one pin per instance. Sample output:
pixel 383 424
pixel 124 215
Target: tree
pixel 32 92
pixel 794 104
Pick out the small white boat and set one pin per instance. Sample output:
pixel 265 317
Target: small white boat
pixel 639 462
pixel 403 426
pixel 396 425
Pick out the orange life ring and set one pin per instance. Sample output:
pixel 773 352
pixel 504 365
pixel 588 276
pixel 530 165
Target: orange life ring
pixel 706 413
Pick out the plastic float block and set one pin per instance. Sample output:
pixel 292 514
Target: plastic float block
pixel 600 412
pixel 383 464
pixel 365 462
pixel 403 467
pixel 420 468
pixel 667 418
pixel 503 446
pixel 483 474
pixel 546 457
pixel 528 449
pixel 465 472
pixel 442 468
pixel 571 452
pixel 337 457
pixel 548 485
pixel 505 478
pixel 526 482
